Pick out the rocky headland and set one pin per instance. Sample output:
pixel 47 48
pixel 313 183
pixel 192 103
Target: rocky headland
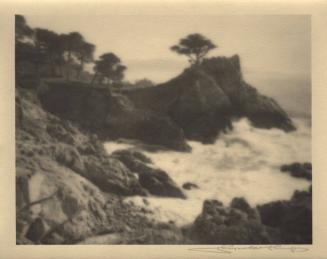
pixel 198 105
pixel 70 190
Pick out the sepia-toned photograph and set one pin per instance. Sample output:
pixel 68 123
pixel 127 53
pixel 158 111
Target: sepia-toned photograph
pixel 163 129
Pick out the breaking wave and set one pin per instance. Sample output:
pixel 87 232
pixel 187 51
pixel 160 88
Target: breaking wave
pixel 243 163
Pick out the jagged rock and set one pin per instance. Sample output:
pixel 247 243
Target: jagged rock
pixel 193 100
pixel 228 225
pixel 155 180
pixel 111 116
pixel 131 158
pixel 112 176
pixel 203 100
pixel 150 127
pixel 54 178
pixel 298 170
pixel 189 186
pixel 293 218
pixel 59 199
pixel 243 205
pixel 262 111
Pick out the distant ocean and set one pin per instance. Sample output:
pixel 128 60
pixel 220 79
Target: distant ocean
pixel 243 163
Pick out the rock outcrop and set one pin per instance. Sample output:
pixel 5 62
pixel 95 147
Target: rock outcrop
pixel 292 218
pixel 237 224
pixel 67 186
pixel 194 102
pixel 262 111
pixel 109 115
pixel 280 222
pixel 204 100
pixel 190 186
pixel 298 170
pixel 198 104
pixel 155 180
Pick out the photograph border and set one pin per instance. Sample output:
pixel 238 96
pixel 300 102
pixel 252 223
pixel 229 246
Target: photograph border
pixel 318 12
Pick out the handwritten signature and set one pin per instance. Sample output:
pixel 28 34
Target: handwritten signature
pixel 229 249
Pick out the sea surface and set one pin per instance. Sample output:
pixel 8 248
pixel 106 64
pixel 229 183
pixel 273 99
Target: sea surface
pixel 242 163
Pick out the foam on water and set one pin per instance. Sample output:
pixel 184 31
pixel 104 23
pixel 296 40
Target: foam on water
pixel 243 163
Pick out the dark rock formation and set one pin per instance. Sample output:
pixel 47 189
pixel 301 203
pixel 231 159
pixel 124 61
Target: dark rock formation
pixel 238 224
pixel 203 100
pixel 200 103
pixel 193 100
pixel 110 116
pixel 155 180
pixel 66 183
pixel 189 186
pixel 293 218
pixel 262 111
pixel 280 222
pixel 298 170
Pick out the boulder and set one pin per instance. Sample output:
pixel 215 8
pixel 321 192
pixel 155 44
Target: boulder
pixel 262 111
pixel 293 218
pixel 189 186
pixel 111 175
pixel 298 170
pixel 238 224
pixel 155 180
pixel 57 202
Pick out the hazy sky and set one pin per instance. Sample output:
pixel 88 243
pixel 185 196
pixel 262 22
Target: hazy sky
pixel 268 45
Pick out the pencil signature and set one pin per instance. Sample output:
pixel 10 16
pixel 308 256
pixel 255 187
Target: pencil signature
pixel 229 249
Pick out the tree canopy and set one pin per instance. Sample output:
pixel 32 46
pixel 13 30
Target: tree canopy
pixel 22 30
pixel 51 52
pixel 195 47
pixel 109 66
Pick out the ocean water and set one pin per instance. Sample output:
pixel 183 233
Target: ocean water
pixel 242 163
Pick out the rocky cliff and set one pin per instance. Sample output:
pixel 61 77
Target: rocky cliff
pixel 68 188
pixel 204 100
pixel 198 104
pixel 280 222
pixel 110 115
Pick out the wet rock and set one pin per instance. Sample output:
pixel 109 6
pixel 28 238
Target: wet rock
pixel 298 170
pixel 228 225
pixel 203 101
pixel 155 180
pixel 189 186
pixel 112 176
pixel 130 157
pixel 242 205
pixel 293 218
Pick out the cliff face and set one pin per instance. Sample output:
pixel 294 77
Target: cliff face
pixel 67 186
pixel 198 104
pixel 204 100
pixel 110 116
